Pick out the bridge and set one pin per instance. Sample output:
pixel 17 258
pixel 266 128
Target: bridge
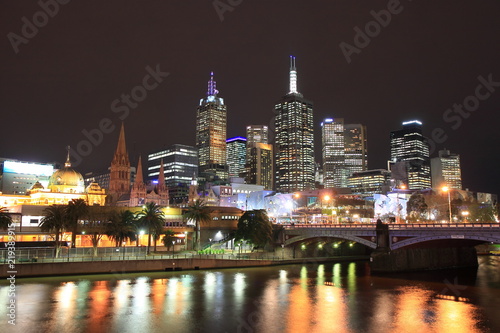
pixel 400 235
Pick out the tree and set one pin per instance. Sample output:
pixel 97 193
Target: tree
pixel 198 213
pixel 168 238
pixel 151 218
pixel 76 209
pixel 121 227
pixel 416 208
pixel 254 227
pixel 54 221
pixel 5 219
pixel 95 226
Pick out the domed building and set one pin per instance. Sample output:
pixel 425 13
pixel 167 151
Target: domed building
pixel 66 180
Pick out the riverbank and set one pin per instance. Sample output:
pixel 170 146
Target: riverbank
pixel 152 265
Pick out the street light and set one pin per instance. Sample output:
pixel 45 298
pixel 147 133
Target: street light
pixel 282 251
pixel 465 214
pixel 398 216
pixel 447 189
pixel 173 247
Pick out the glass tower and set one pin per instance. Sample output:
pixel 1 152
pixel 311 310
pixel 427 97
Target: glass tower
pixel 211 123
pixel 236 155
pixel 294 139
pixel 333 149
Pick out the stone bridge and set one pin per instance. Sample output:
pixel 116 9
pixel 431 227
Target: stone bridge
pixel 400 235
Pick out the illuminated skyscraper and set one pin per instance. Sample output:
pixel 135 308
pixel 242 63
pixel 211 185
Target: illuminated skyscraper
pixel 294 139
pixel 445 170
pixel 236 155
pixel 256 134
pixel 356 151
pixel 211 122
pixel 408 145
pixel 260 165
pixel 334 170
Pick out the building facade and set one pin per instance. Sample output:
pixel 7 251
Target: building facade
pixel 259 167
pixel 18 177
pixel 180 163
pixel 119 176
pixel 356 148
pixel 333 151
pixel 236 155
pixel 294 147
pixel 370 182
pixel 408 145
pixel 211 123
pixel 445 170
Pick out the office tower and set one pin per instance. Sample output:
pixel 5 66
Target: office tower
pixel 119 177
pixel 445 170
pixel 355 147
pixel 408 145
pixel 369 182
pixel 294 139
pixel 180 164
pixel 211 121
pixel 18 177
pixel 236 155
pixel 260 165
pixel 333 149
pixel 256 134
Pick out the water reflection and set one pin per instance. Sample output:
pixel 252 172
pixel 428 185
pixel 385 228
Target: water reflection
pixel 340 297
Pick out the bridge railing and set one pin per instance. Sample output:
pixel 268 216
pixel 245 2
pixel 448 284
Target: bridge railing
pixel 495 226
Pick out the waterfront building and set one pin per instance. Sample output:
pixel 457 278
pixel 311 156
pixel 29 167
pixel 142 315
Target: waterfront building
pixel 408 145
pixel 211 123
pixel 294 139
pixel 333 149
pixel 445 170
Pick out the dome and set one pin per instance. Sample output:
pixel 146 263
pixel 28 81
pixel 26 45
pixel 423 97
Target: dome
pixel 66 176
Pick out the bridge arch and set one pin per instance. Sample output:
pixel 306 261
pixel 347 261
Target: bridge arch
pixel 353 238
pixel 427 238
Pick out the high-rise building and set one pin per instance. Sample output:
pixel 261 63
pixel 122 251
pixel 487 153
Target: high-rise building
pixel 260 165
pixel 180 163
pixel 356 151
pixel 211 122
pixel 294 139
pixel 408 145
pixel 445 170
pixel 333 149
pixel 18 177
pixel 369 182
pixel 236 155
pixel 256 134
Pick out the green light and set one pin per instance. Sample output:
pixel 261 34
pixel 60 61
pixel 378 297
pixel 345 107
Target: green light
pixel 303 246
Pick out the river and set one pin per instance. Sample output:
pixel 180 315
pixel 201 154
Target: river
pixel 323 297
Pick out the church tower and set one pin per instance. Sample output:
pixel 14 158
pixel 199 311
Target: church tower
pixel 161 189
pixel 138 192
pixel 119 178
pixel 193 191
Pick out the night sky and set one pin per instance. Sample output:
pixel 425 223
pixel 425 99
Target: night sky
pixel 64 79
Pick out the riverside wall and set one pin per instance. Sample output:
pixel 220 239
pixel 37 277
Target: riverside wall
pixel 418 259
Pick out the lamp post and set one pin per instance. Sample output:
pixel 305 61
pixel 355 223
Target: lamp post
pixel 173 248
pixel 282 251
pixel 398 216
pixel 447 189
pixel 465 213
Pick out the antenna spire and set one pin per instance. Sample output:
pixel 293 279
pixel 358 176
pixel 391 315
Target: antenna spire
pixel 212 86
pixel 293 76
pixel 68 161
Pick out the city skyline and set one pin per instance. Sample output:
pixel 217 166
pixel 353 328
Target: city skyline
pixel 65 79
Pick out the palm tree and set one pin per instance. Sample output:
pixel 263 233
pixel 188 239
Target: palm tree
pixel 121 227
pixel 76 209
pixel 198 213
pixel 95 226
pixel 168 239
pixel 54 221
pixel 151 217
pixel 5 219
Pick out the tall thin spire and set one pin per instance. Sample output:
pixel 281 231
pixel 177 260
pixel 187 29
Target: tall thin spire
pixel 68 161
pixel 121 148
pixel 293 76
pixel 212 86
pixel 161 176
pixel 138 175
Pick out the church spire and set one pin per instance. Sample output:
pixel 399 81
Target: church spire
pixel 212 86
pixel 121 148
pixel 138 175
pixel 293 76
pixel 68 161
pixel 161 176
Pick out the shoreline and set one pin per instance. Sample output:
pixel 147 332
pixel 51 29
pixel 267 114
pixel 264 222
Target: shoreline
pixel 32 270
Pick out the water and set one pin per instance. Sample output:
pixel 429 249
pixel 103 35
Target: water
pixel 332 297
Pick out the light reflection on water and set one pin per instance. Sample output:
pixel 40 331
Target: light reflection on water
pixel 340 297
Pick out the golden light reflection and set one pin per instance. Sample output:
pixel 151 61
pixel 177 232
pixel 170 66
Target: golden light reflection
pixel 336 275
pixel 330 310
pixel 455 317
pixel 383 310
pixel 99 305
pixel 409 315
pixel 65 297
pixel 158 291
pixel 299 314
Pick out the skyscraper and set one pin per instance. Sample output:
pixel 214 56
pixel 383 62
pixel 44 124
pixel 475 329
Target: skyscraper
pixel 180 164
pixel 356 151
pixel 294 139
pixel 236 155
pixel 211 122
pixel 260 165
pixel 408 145
pixel 445 170
pixel 256 134
pixel 334 171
